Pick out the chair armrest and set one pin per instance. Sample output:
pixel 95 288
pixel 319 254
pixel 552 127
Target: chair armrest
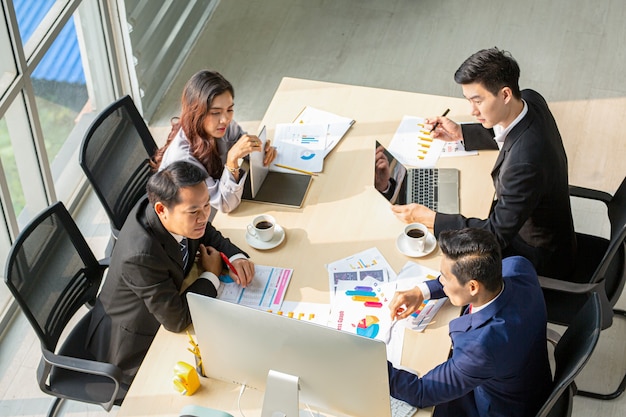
pixel 588 193
pixel 84 365
pixel 582 289
pixel 565 286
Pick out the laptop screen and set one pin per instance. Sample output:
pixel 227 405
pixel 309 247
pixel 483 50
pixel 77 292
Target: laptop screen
pixel 389 175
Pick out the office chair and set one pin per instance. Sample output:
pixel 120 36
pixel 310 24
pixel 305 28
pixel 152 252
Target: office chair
pixel 600 266
pixel 570 356
pixel 115 156
pixel 52 274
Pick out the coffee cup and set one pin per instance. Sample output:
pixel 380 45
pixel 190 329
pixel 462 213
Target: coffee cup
pixel 415 235
pixel 262 227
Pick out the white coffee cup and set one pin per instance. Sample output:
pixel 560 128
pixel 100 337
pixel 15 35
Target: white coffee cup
pixel 415 235
pixel 262 227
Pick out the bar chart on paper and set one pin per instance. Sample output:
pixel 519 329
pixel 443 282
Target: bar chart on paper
pixel 413 145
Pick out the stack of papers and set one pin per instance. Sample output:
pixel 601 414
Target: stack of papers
pixel 305 143
pixel 300 146
pixel 362 287
pixel 337 125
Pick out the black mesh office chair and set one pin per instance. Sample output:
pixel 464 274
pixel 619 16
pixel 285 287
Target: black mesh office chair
pixel 600 266
pixel 52 273
pixel 570 356
pixel 115 156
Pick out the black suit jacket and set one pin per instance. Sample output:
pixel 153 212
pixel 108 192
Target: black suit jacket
pixel 142 289
pixel 531 215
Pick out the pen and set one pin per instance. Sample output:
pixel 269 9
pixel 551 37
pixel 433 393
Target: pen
pixel 228 264
pixel 443 115
pixel 296 169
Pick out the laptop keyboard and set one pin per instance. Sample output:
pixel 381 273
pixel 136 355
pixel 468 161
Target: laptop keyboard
pixel 425 187
pixel 400 408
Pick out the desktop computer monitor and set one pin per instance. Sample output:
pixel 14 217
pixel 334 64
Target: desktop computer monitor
pixel 328 370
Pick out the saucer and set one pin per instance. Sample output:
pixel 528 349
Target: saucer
pixel 279 236
pixel 403 247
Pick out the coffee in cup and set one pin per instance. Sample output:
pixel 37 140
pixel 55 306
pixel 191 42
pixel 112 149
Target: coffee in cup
pixel 415 236
pixel 262 227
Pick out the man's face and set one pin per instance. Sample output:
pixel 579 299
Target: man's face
pixel 220 115
pixel 488 109
pixel 459 295
pixel 190 216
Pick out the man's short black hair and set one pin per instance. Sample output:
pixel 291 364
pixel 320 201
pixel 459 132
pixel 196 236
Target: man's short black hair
pixel 476 255
pixel 163 186
pixel 493 68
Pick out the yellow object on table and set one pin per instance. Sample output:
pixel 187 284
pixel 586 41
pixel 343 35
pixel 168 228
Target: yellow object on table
pixel 186 380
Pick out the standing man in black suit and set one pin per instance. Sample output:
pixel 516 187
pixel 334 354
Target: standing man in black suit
pixel 154 253
pixel 531 214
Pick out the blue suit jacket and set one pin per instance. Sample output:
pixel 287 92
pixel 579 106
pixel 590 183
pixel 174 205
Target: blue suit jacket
pixel 499 364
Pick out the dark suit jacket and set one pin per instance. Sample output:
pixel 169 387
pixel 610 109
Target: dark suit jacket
pixel 499 364
pixel 141 289
pixel 531 215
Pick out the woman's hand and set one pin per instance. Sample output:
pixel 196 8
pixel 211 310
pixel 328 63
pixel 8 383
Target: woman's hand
pixel 242 148
pixel 270 153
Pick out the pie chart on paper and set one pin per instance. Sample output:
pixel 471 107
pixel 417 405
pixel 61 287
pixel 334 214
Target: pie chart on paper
pixel 307 155
pixel 368 327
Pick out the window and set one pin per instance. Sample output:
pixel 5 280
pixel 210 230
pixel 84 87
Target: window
pixel 44 96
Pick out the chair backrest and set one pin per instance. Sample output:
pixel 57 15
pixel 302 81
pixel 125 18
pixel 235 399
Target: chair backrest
pixel 115 156
pixel 52 272
pixel 571 354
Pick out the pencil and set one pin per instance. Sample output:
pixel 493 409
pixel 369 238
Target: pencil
pixel 296 169
pixel 436 124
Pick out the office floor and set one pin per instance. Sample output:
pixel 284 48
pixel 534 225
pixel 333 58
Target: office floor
pixel 569 50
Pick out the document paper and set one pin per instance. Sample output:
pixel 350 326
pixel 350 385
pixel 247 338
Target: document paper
pixel 266 291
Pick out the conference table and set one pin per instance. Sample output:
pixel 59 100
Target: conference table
pixel 342 215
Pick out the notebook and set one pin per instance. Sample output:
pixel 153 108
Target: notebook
pixel 265 186
pixel 435 188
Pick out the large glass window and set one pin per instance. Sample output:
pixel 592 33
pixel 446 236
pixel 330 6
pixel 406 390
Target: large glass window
pixel 29 15
pixel 61 94
pixel 43 96
pixel 10 168
pixel 7 63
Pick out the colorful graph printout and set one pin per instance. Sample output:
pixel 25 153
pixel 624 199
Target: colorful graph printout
pixel 266 291
pixel 412 145
pixel 361 307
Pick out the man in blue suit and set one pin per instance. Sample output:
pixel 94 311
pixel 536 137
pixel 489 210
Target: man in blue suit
pixel 499 363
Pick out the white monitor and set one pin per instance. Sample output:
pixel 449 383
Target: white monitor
pixel 325 369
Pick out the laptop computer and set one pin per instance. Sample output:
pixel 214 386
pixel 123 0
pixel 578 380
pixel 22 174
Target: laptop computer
pixel 435 188
pixel 265 186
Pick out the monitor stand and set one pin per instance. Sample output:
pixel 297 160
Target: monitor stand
pixel 281 395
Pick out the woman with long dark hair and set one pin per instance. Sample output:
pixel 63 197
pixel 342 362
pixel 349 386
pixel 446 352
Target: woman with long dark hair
pixel 206 135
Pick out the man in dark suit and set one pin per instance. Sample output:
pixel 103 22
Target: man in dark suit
pixel 531 214
pixel 144 285
pixel 499 364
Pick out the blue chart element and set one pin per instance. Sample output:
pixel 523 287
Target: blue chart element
pixel 306 155
pixel 371 331
pixel 225 279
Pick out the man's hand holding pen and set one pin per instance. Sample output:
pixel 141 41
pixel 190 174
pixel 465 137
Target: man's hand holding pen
pixel 443 128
